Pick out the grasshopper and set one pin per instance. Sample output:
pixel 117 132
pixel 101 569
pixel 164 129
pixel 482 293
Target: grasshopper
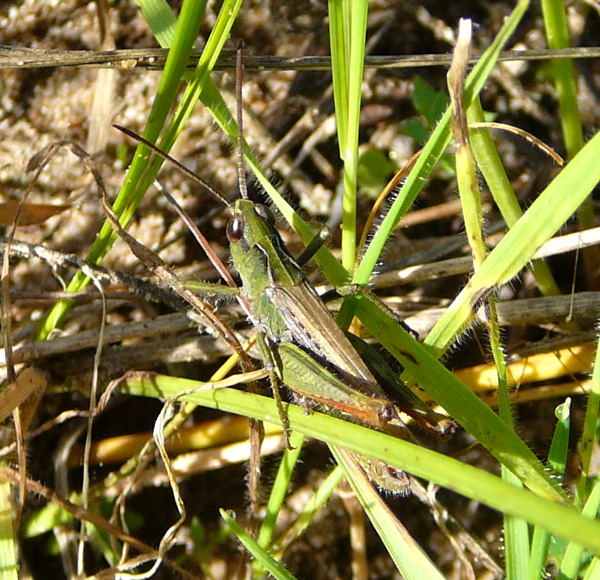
pixel 300 343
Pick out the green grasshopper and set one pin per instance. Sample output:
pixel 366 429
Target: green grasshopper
pixel 300 343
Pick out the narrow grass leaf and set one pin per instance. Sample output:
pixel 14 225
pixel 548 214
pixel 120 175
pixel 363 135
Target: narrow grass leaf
pixel 8 546
pixel 266 561
pixel 436 146
pixel 279 490
pixel 138 177
pixel 460 403
pixel 557 458
pixel 490 165
pixel 161 19
pixel 570 565
pixel 311 509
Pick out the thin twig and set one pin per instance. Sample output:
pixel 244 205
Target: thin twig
pixel 154 59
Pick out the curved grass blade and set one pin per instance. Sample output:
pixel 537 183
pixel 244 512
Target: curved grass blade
pixel 558 518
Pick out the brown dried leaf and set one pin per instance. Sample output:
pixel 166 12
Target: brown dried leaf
pixel 31 383
pixel 31 213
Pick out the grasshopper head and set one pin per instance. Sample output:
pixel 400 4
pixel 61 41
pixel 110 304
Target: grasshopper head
pixel 250 221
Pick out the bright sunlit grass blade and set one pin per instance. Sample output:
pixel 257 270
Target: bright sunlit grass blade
pixel 559 448
pixel 460 403
pixel 144 168
pixel 490 165
pixel 570 564
pixel 516 534
pixel 593 571
pixel 539 223
pixel 161 19
pixel 565 81
pixel 558 518
pixel 347 33
pixel 435 147
pixel 340 59
pixel 565 75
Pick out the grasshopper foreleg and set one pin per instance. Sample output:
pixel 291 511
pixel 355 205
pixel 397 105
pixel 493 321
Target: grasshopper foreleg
pixel 313 247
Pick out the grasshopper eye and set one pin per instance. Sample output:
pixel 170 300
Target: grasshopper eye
pixel 235 229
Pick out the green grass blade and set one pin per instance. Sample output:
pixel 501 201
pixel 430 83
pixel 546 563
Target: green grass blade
pixel 412 562
pixel 516 537
pixel 312 507
pixel 459 401
pixel 569 567
pixel 207 61
pixel 565 76
pixel 435 147
pixel 279 490
pixel 347 32
pixel 161 19
pixel 557 458
pixel 559 447
pixel 138 178
pixel 593 571
pixel 8 548
pixel 565 82
pixel 490 165
pixel 340 60
pixel 558 518
pixel 266 561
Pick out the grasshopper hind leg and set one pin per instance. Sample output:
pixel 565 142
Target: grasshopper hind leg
pixel 269 356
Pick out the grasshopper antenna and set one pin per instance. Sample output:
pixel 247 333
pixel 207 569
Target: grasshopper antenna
pixel 239 74
pixel 186 171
